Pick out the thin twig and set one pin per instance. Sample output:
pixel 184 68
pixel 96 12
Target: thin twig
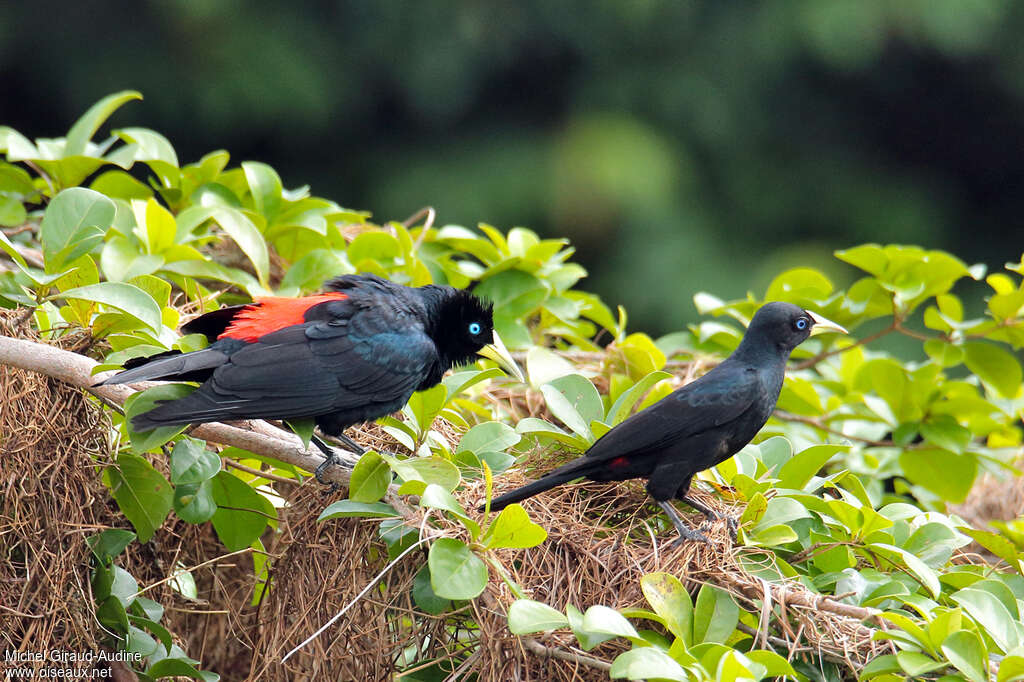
pixel 535 647
pixel 811 362
pixel 430 214
pixel 174 576
pixel 262 474
pixel 818 424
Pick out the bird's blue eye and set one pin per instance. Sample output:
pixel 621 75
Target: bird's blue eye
pixel 474 328
pixel 801 324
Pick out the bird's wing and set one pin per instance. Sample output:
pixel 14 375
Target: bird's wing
pixel 359 357
pixel 713 400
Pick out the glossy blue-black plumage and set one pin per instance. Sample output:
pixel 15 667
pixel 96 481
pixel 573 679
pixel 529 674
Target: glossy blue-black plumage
pixel 352 360
pixel 697 426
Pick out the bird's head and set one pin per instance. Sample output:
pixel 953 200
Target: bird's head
pixel 786 326
pixel 464 328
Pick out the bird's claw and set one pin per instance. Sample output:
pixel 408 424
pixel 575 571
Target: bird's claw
pixel 690 534
pixel 319 473
pixel 733 525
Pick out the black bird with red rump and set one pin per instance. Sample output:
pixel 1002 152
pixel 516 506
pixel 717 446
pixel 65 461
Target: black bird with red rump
pixel 699 425
pixel 351 355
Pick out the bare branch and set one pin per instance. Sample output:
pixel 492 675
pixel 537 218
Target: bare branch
pixel 76 370
pixel 535 647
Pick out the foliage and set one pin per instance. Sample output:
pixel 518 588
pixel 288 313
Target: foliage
pixel 892 441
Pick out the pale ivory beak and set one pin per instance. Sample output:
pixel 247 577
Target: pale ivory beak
pixel 823 325
pixel 496 351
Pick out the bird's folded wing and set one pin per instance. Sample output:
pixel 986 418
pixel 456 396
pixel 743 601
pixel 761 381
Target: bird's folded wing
pixel 319 368
pixel 707 403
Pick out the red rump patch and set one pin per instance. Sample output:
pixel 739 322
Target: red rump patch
pixel 619 462
pixel 269 314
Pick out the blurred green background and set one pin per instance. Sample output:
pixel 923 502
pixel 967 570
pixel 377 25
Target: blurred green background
pixel 681 145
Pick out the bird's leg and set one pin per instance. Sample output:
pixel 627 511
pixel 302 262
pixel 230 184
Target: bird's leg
pixel 685 532
pixel 330 457
pixel 352 445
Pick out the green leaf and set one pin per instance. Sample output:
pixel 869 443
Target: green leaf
pixel 1011 669
pixel 111 615
pixel 575 401
pixel 242 513
pixel 178 667
pixel 192 462
pixel 156 225
pixel 608 621
pixel 798 285
pixel 798 471
pixel 945 432
pixel 544 365
pixel 122 260
pixel 715 615
pixel 647 663
pixel 249 240
pixel 990 614
pixel 538 427
pixel 9 249
pixel 641 355
pixel 351 509
pixel 423 594
pixel 526 617
pixel 151 147
pixel 265 186
pixel 513 528
pixel 489 437
pixel 944 353
pixel 373 246
pixel 920 570
pixel 86 126
pixel 945 473
pixel 371 477
pixel 426 405
pixel 142 493
pixel 774 664
pixel 967 653
pixel 127 298
pixel 993 542
pixel 436 497
pixel 425 470
pixel 12 211
pixel 881 665
pixel 995 366
pixel 622 407
pixel 73 225
pixel 455 572
pixel 672 602
pixel 194 503
pixel 917 664
pixel 109 543
pixel 137 403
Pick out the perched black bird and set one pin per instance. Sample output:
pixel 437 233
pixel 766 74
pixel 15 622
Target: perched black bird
pixel 342 358
pixel 699 425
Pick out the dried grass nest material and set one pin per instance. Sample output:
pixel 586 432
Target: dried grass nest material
pixel 50 498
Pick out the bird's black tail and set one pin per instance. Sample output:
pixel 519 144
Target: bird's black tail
pixel 561 475
pixel 198 407
pixel 172 365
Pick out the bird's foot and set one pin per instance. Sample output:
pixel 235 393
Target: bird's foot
pixel 685 532
pixel 689 534
pixel 329 460
pixel 731 523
